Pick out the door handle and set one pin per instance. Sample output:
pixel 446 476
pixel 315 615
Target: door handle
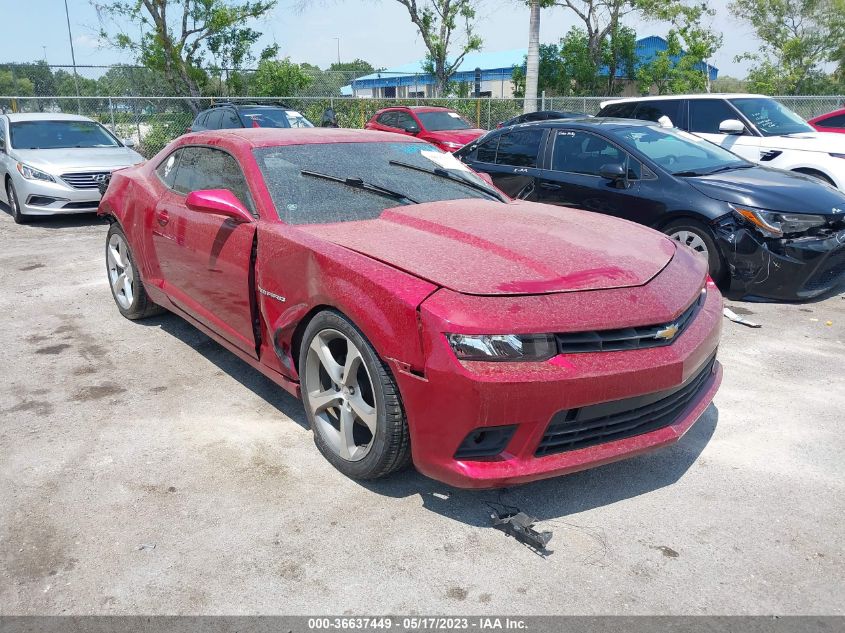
pixel 162 217
pixel 550 186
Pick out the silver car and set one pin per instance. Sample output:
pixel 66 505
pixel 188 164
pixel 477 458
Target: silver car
pixel 53 163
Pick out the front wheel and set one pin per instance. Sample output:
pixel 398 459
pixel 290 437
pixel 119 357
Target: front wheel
pixel 127 289
pixel 699 238
pixel 351 400
pixel 14 203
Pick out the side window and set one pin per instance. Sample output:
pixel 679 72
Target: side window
pixel 584 153
pixel 212 121
pixel 837 121
pixel 519 147
pixel 199 122
pixel 167 169
pixel 705 115
pixel 487 150
pixel 653 110
pixel 230 119
pixel 404 121
pixel 207 168
pixel 2 135
pixel 619 110
pixel 388 119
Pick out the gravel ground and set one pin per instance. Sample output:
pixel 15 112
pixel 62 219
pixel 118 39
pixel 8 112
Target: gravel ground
pixel 145 470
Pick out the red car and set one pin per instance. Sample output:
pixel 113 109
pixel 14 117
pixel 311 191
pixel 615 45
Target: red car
pixel 416 310
pixel 442 127
pixel 830 122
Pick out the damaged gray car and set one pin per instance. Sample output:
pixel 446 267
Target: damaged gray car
pixel 766 232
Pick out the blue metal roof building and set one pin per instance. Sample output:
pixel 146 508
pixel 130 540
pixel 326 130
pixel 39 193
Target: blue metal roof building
pixel 411 80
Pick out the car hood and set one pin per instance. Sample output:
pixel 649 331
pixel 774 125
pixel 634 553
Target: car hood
pixel 455 136
pixel 59 161
pixel 772 189
pixel 806 141
pixel 490 248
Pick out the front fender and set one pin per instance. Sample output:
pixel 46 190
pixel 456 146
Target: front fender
pixel 297 274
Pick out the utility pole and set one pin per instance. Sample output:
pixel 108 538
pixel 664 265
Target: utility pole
pixel 73 60
pixel 44 48
pixel 338 49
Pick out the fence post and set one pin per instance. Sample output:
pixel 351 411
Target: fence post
pixel 111 115
pixel 477 113
pixel 488 112
pixel 543 100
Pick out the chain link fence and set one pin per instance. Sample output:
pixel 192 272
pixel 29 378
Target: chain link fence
pixel 135 103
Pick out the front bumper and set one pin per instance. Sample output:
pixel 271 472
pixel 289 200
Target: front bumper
pixel 785 269
pixel 38 197
pixel 454 399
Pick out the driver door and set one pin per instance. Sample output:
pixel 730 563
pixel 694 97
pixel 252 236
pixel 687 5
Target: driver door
pixel 205 259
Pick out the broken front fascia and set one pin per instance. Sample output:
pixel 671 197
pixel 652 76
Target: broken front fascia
pixel 779 268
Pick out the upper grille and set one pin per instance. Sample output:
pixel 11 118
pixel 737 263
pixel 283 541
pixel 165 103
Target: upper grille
pixel 629 338
pixel 85 179
pixel 619 419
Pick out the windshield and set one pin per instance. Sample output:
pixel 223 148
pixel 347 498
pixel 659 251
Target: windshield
pixel 59 135
pixel 680 152
pixel 273 117
pixel 305 199
pixel 770 117
pixel 439 121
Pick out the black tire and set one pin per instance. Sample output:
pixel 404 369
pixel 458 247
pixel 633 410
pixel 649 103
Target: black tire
pixel 141 306
pixel 390 446
pixel 715 260
pixel 14 203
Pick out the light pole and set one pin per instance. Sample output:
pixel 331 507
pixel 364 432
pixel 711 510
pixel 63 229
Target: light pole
pixel 73 60
pixel 338 49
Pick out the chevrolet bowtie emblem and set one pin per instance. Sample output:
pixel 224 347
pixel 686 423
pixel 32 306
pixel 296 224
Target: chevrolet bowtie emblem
pixel 667 333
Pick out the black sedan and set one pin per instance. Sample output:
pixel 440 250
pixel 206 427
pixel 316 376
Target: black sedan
pixel 765 232
pixel 542 115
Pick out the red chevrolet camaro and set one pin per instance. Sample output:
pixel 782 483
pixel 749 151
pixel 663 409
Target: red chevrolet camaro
pixel 442 127
pixel 417 311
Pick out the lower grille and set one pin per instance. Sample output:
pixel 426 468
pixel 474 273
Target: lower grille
pixel 81 205
pixel 829 273
pixel 620 419
pixel 86 179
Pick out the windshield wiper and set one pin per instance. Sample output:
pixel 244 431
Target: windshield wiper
pixel 684 174
pixel 358 183
pixel 443 173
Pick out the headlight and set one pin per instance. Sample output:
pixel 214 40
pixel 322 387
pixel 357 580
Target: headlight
pixel 30 173
pixel 513 347
pixel 451 145
pixel 777 224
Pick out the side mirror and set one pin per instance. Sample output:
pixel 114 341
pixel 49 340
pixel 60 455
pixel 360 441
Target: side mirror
pixel 128 142
pixel 218 202
pixel 412 128
pixel 613 172
pixel 731 126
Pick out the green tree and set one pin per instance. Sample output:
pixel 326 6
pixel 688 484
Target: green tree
pixel 438 21
pixel 684 65
pixel 798 38
pixel 178 34
pixel 274 78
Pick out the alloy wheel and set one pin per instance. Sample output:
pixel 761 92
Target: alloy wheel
pixel 12 197
pixel 121 274
pixel 340 395
pixel 693 240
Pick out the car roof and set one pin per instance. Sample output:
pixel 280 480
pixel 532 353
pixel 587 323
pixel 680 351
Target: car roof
pixel 609 123
pixel 45 116
pixel 418 108
pixel 709 95
pixel 827 114
pixel 271 137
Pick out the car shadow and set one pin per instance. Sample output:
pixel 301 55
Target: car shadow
pixel 546 500
pixel 558 497
pixel 60 221
pixel 227 362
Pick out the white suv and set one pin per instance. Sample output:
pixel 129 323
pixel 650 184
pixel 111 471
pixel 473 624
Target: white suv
pixel 755 127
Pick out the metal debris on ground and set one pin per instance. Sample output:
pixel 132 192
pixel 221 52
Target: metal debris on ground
pixel 521 526
pixel 143 546
pixel 733 316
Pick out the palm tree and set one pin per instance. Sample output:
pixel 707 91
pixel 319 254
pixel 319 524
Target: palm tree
pixel 532 70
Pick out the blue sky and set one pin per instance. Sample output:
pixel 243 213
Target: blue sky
pixel 376 30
